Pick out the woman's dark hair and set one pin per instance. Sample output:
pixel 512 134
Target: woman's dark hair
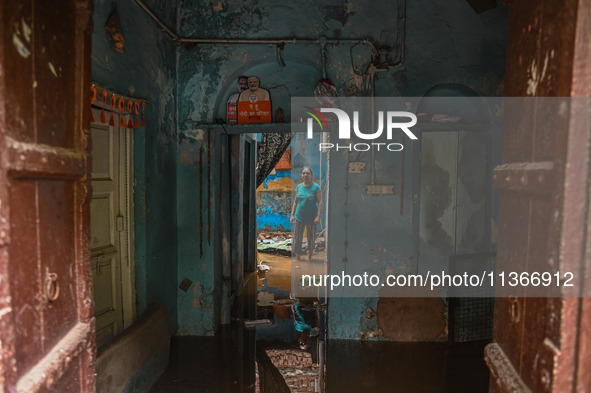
pixel 308 168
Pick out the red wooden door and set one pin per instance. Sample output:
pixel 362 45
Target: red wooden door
pixel 543 344
pixel 46 308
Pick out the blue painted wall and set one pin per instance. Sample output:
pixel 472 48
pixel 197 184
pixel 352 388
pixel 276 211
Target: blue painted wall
pixel 446 42
pixel 274 208
pixel 198 201
pixel 147 70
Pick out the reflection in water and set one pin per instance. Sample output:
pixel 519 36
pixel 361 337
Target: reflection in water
pixel 225 363
pixel 356 365
pixel 278 277
pixel 294 341
pixel 306 316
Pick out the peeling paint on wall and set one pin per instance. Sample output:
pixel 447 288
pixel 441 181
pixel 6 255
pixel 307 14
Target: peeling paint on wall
pixel 284 184
pixel 446 42
pixel 147 69
pixel 536 76
pixel 52 69
pixel 193 135
pixel 196 295
pixel 26 29
pixel 412 319
pixel 20 46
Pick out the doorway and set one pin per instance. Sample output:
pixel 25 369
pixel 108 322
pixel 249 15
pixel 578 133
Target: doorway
pixel 295 334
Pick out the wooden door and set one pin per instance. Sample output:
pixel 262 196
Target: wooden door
pixel 46 307
pixel 543 344
pixel 110 227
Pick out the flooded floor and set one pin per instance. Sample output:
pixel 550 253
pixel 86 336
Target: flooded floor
pixel 204 365
pixel 422 367
pixel 283 268
pixel 282 299
pixel 277 277
pixel 290 361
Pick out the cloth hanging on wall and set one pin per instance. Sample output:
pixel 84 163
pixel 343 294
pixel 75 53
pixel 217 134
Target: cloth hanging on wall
pixel 132 113
pixel 270 150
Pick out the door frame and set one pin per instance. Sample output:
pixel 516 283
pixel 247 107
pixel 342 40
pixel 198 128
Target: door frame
pixel 126 176
pixel 67 362
pixel 544 343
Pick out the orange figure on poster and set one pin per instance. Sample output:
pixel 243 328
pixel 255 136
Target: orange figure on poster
pixel 254 105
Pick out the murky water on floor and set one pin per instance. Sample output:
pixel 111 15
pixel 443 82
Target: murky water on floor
pixel 353 366
pixel 288 362
pixel 278 276
pixel 294 340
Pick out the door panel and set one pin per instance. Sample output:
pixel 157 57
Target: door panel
pixel 53 50
pixel 102 141
pixel 46 323
pixel 104 276
pixel 110 218
pixel 102 238
pixel 26 299
pixel 56 244
pixel 20 68
pixel 108 308
pixel 538 342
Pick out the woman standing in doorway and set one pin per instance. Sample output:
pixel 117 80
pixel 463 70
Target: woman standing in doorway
pixel 305 212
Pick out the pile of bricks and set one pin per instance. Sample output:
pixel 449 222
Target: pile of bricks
pixel 301 383
pixel 291 358
pixel 296 367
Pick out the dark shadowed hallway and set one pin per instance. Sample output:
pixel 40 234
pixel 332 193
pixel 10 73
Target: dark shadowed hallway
pixel 196 365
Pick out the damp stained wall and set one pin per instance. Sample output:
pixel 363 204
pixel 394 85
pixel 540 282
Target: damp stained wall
pixel 446 42
pixel 198 200
pixel 435 54
pixel 147 70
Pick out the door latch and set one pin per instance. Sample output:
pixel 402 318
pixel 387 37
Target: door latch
pixel 52 287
